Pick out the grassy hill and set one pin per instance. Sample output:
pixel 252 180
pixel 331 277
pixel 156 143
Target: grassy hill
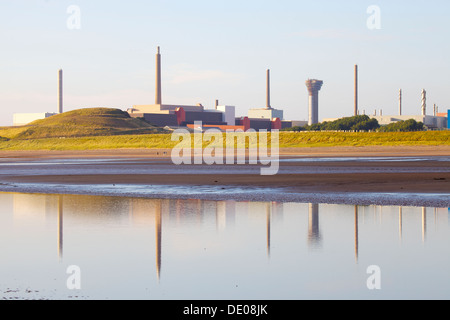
pixel 80 123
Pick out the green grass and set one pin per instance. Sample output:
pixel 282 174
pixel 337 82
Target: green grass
pixel 287 140
pixel 80 123
pixel 104 128
pixel 324 139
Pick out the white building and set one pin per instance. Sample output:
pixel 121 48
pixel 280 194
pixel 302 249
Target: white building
pixel 432 122
pixel 229 114
pixel 265 113
pixel 21 119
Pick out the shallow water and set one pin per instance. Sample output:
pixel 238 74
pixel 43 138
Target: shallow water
pixel 134 248
pixel 27 167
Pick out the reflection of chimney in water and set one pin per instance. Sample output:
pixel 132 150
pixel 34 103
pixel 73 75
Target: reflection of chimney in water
pixel 60 226
pixel 158 232
pixel 356 234
pixel 424 223
pixel 314 237
pixel 268 214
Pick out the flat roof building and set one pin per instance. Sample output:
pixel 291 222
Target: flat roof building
pixel 21 119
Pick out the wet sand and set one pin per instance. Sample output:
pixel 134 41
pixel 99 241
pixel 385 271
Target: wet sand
pixel 414 170
pixel 366 151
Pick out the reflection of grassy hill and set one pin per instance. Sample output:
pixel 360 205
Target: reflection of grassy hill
pixel 81 123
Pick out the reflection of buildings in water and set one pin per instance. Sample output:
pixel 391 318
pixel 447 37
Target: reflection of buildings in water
pixel 225 214
pixel 50 208
pixel 314 236
pixel 41 209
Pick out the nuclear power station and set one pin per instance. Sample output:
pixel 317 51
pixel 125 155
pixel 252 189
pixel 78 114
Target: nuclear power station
pixel 223 117
pixel 313 87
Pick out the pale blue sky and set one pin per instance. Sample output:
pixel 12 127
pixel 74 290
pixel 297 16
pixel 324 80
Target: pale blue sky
pixel 220 50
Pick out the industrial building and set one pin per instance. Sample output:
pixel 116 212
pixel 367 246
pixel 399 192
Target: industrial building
pixel 448 117
pixel 435 121
pixel 268 112
pixel 21 119
pixel 163 115
pixel 432 122
pixel 222 117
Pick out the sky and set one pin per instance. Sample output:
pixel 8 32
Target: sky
pixel 214 49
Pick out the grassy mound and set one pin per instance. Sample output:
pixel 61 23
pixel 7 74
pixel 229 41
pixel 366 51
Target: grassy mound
pixel 81 123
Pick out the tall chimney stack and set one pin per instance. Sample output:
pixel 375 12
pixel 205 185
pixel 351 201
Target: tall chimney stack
pixel 424 102
pixel 356 90
pixel 400 103
pixel 60 91
pixel 268 90
pixel 158 97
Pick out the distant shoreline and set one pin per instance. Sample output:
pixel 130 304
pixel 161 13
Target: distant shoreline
pixel 338 151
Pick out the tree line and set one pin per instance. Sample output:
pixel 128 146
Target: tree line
pixel 361 123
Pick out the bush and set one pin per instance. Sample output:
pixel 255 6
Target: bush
pixel 356 123
pixel 403 126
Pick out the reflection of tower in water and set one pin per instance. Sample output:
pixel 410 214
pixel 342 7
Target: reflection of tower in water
pixel 158 236
pixel 356 234
pixel 274 211
pixel 314 237
pixel 268 214
pixel 424 223
pixel 60 226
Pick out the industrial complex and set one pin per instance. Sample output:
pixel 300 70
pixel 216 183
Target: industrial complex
pixel 224 117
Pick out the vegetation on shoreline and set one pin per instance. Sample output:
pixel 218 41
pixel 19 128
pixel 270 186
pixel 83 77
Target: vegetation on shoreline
pixel 287 140
pixel 107 129
pixel 361 123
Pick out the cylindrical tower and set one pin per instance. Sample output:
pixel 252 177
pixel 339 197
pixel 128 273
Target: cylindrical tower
pixel 356 91
pixel 60 91
pixel 313 88
pixel 424 102
pixel 400 103
pixel 158 96
pixel 268 90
